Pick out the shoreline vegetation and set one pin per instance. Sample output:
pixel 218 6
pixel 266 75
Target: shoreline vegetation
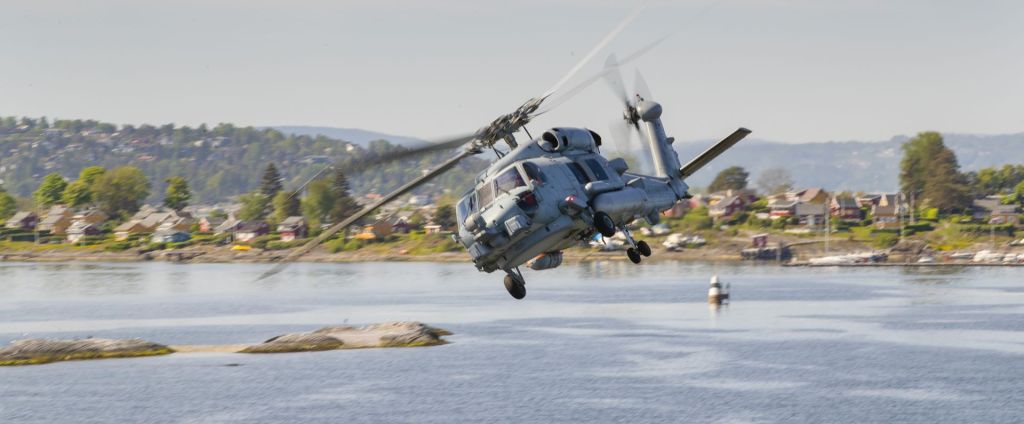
pixel 384 335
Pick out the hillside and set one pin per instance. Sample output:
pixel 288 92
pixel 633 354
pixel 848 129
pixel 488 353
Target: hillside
pixel 352 135
pixel 218 162
pixel 850 165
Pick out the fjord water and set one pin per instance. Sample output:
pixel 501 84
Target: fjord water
pixel 595 342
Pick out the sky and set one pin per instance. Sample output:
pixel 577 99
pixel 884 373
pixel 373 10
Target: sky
pixel 790 70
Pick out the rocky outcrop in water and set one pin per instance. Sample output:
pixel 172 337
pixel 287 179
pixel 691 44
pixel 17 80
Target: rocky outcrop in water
pixel 42 351
pixel 391 334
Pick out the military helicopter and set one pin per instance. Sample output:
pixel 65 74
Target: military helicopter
pixel 555 191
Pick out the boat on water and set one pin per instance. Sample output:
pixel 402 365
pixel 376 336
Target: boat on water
pixel 852 258
pixel 717 293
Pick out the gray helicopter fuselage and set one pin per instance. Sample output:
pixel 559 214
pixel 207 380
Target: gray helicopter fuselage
pixel 541 197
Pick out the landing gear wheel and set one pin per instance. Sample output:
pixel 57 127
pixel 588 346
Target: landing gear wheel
pixel 634 256
pixel 604 224
pixel 643 248
pixel 515 287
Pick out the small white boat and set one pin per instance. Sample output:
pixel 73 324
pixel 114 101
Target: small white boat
pixel 717 294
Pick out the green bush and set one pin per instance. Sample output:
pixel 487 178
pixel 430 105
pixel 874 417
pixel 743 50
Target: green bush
pixel 698 219
pixel 982 229
pixel 152 247
pixel 261 241
pixel 778 224
pixel 921 227
pixel 930 214
pixel 281 245
pixel 118 246
pixel 885 239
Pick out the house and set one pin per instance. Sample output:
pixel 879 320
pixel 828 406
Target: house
pixel 992 211
pixel 432 229
pixel 23 220
pixel 677 210
pixel 886 217
pixel 379 229
pixel 810 214
pixel 781 207
pixel 868 200
pixel 401 221
pixel 170 236
pixel 886 214
pixel 80 229
pixel 726 208
pixel 293 227
pixel 92 216
pixel 250 230
pixel 230 225
pixel 811 195
pixel 57 220
pixel 124 231
pixel 845 208
pixel 209 224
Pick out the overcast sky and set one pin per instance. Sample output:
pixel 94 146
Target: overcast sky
pixel 791 70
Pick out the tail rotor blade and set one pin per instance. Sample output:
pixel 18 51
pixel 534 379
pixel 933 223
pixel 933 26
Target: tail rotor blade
pixel 613 76
pixel 640 85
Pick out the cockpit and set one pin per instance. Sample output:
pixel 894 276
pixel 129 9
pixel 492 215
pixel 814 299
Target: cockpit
pixel 506 182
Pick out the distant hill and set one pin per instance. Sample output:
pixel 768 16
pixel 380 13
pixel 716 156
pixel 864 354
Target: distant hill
pixel 849 165
pixel 356 136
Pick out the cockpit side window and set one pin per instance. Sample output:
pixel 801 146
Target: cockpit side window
pixel 577 170
pixel 533 172
pixel 484 196
pixel 597 169
pixel 509 180
pixel 464 208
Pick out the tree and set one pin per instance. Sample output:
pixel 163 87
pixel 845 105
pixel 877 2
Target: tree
pixel 8 206
pixel 271 182
pixel 77 194
pixel 178 194
pixel 286 204
pixel 343 203
pixel 254 206
pixel 51 191
pixel 120 191
pixel 89 174
pixel 731 178
pixel 317 204
pixel 929 171
pixel 775 180
pixel 445 216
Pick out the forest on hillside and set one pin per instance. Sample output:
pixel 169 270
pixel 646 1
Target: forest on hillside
pixel 219 162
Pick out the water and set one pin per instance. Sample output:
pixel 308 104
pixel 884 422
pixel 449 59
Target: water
pixel 600 342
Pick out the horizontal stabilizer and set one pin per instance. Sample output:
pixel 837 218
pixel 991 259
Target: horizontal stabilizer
pixel 710 154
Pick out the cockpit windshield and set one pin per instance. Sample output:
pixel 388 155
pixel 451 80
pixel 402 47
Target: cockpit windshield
pixel 465 207
pixel 509 180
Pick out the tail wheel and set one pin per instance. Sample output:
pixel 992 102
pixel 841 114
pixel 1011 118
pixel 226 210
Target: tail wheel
pixel 515 287
pixel 643 248
pixel 604 224
pixel 633 255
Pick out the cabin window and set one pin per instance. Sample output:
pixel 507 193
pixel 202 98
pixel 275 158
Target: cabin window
pixel 484 196
pixel 509 180
pixel 577 170
pixel 534 173
pixel 597 169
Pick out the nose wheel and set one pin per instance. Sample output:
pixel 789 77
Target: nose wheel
pixel 515 284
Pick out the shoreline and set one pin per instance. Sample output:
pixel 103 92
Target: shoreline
pixel 186 256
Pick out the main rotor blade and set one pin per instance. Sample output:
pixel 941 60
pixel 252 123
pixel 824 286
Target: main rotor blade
pixel 446 144
pixel 345 223
pixel 600 45
pixel 578 88
pixel 710 154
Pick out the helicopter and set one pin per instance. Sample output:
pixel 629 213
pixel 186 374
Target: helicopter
pixel 555 191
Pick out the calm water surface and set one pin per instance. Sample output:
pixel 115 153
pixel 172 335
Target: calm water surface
pixel 600 342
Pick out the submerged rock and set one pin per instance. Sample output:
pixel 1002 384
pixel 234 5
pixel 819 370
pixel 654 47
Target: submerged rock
pixel 391 334
pixel 42 351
